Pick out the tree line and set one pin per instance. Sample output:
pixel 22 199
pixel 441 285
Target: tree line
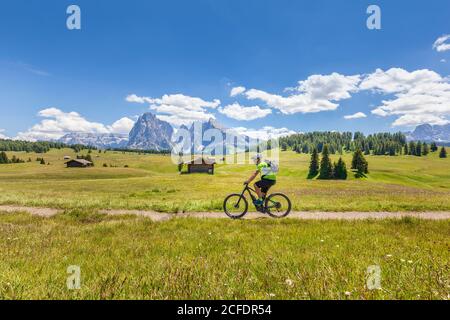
pixel 340 142
pixel 326 170
pixel 37 147
pixel 5 160
pixel 379 144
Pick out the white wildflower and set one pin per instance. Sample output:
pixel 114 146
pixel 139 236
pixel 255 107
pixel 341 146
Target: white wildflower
pixel 289 282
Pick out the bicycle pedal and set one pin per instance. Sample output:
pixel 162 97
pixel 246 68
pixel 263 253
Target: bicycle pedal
pixel 261 209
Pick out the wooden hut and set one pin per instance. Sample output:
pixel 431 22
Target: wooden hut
pixel 79 163
pixel 201 165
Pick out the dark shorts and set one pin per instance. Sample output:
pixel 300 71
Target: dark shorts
pixel 265 184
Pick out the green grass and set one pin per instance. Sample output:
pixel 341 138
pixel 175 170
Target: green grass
pixel 131 257
pixel 134 258
pixel 403 183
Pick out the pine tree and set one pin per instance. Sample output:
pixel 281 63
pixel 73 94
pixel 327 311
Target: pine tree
pixel 359 163
pixel 366 150
pixel 326 167
pixel 418 152
pixel 406 151
pixel 392 151
pixel 412 148
pixel 425 149
pixel 3 158
pixel 443 153
pixel 314 164
pixel 305 149
pixel 434 147
pixel 340 170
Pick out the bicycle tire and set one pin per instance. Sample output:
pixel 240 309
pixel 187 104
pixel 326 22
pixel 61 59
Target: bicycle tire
pixel 288 209
pixel 234 215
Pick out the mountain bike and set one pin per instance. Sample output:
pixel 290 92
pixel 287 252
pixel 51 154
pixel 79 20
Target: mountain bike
pixel 276 205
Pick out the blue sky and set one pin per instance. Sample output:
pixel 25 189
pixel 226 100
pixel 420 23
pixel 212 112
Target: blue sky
pixel 204 48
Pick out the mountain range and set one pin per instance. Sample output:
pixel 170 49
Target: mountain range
pixel 98 140
pixel 151 133
pixel 429 133
pixel 148 133
pixel 212 141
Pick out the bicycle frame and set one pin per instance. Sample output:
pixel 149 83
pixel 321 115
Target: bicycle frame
pixel 251 192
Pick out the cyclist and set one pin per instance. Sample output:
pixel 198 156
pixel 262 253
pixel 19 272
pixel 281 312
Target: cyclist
pixel 268 178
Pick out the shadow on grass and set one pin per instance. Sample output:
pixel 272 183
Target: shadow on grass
pixel 359 174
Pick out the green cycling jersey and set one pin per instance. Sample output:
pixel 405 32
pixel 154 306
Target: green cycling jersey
pixel 265 171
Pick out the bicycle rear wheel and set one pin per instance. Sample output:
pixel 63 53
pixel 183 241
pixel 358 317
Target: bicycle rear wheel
pixel 278 205
pixel 235 206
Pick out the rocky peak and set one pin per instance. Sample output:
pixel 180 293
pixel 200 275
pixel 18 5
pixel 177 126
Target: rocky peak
pixel 150 133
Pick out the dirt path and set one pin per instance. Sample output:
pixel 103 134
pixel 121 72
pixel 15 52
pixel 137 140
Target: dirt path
pixel 42 212
pixel 159 216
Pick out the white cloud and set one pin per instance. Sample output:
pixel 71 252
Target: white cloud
pixel 137 99
pixel 397 80
pixel 421 96
pixel 58 123
pixel 178 109
pixel 2 136
pixel 122 126
pixel 330 87
pixel 315 94
pixel 265 133
pixel 411 120
pixel 442 44
pixel 237 91
pixel 238 112
pixel 443 60
pixel 357 115
pixel 29 68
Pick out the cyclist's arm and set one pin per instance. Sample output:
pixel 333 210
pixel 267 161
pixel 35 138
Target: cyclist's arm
pixel 252 177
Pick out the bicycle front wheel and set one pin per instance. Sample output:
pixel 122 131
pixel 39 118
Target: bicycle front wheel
pixel 278 205
pixel 235 206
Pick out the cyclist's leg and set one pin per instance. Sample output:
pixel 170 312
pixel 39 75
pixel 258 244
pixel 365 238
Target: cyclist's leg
pixel 262 187
pixel 258 188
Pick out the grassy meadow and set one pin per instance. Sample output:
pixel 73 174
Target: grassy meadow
pixel 129 257
pixel 402 183
pixel 134 258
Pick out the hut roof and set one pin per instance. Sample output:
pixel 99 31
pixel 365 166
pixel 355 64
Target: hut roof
pixel 82 161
